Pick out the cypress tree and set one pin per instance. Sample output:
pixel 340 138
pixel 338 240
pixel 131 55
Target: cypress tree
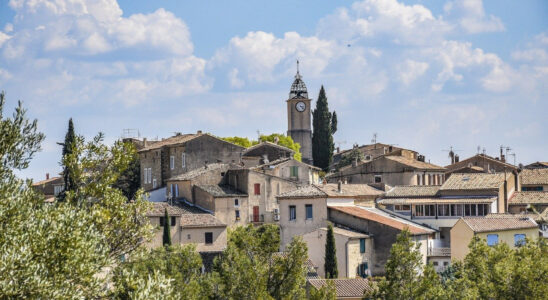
pixel 322 135
pixel 68 177
pixel 333 122
pixel 167 230
pixel 330 264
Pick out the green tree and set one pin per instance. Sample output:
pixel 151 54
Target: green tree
pixel 68 147
pixel 403 267
pixel 330 261
pixel 240 141
pixel 129 180
pixel 354 155
pixel 322 135
pixel 285 141
pixel 326 292
pixel 334 122
pixel 166 238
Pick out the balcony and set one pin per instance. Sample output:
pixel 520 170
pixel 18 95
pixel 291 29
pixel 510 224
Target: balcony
pixel 439 251
pixel 256 218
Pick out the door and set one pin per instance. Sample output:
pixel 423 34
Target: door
pixel 255 214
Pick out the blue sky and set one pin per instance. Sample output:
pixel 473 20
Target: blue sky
pixel 424 75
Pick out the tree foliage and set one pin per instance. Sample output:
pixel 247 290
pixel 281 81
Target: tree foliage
pixel 354 155
pixel 322 135
pixel 129 180
pixel 330 261
pixel 280 139
pixel 166 238
pixel 68 146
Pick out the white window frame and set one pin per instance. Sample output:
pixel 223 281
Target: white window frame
pixel 172 162
pixel 176 191
pixel 183 159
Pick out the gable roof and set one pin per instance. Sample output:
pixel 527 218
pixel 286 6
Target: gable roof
pixel 474 181
pixel 348 190
pixel 306 192
pixel 499 222
pixel 158 209
pixel 347 287
pixel 352 234
pixel 529 198
pixel 268 144
pixel 46 181
pixel 200 171
pixel 221 191
pixel 200 220
pixel 283 160
pixel 412 191
pixel 380 216
pixel 481 156
pixel 534 176
pixel 181 139
pixel 413 163
pixel 538 164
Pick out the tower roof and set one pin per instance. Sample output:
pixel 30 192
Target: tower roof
pixel 298 88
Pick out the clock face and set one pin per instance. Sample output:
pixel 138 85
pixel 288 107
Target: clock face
pixel 300 106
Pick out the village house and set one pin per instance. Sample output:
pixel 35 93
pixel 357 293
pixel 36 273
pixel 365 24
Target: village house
pixel 181 186
pixel 480 163
pixel 371 152
pixel 182 153
pixel 346 288
pixel 537 165
pixel 228 205
pixel 350 194
pixel 354 251
pixel 533 205
pixel 391 169
pixel 267 151
pixel 383 229
pixel 189 225
pixel 534 179
pixel 495 228
pixel 49 187
pixel 290 169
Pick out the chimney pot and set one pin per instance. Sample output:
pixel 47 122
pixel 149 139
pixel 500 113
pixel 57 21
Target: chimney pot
pixel 47 176
pixel 338 149
pixel 144 142
pixel 339 186
pixel 199 132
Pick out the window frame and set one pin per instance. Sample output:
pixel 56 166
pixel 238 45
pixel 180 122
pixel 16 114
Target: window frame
pixel 257 189
pixel 292 212
pixel 520 242
pixel 183 160
pixel 489 243
pixel 362 245
pixel 210 235
pixel 306 208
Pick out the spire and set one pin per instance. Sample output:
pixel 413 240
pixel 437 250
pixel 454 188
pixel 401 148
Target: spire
pixel 298 88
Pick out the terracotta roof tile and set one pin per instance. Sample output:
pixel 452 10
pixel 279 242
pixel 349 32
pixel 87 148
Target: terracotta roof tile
pixel 52 179
pixel 221 191
pixel 379 216
pixel 529 198
pixel 349 190
pixel 200 220
pixel 412 191
pixel 415 163
pixel 177 139
pixel 158 209
pixel 347 287
pixel 482 157
pixel 200 171
pixel 308 191
pixel 498 222
pixel 474 181
pixel 534 176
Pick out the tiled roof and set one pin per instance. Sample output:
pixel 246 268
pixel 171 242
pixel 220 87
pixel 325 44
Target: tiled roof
pixel 347 232
pixel 474 181
pixel 46 181
pixel 537 164
pixel 529 198
pixel 379 216
pixel 415 163
pixel 308 191
pixel 221 190
pixel 349 190
pixel 541 217
pixel 413 191
pixel 498 222
pixel 200 220
pixel 200 171
pixel 268 144
pixel 482 157
pixel 177 139
pixel 347 287
pixel 427 200
pixel 158 209
pixel 534 176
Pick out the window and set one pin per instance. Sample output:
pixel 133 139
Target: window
pixel 173 221
pixel 308 211
pixel 183 160
pixel 443 210
pixel 209 238
pixel 172 162
pixel 154 183
pixel 57 189
pixel 362 245
pixel 399 207
pixel 519 240
pixel 532 188
pixel 176 191
pixel 292 212
pixel 425 210
pixel 445 263
pixel 162 221
pixel 378 178
pixel 188 236
pixel 419 181
pixel 237 214
pixel 362 270
pixel 236 203
pixel 492 239
pixel 435 263
pixel 257 188
pixel 294 171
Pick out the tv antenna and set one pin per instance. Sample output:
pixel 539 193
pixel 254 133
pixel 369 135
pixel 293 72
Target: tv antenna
pixel 374 139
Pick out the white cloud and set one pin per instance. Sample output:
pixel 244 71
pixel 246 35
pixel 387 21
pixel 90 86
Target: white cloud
pixel 471 16
pixel 411 70
pixel 234 80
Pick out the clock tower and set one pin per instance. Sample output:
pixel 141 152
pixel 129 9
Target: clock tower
pixel 299 117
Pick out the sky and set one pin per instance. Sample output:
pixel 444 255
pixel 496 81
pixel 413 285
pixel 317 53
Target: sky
pixel 424 75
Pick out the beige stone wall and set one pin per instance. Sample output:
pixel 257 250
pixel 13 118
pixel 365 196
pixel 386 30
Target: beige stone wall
pixel 301 225
pixel 225 210
pixel 197 236
pixel 151 159
pixel 270 187
pixel 355 257
pixel 157 239
pixel 203 199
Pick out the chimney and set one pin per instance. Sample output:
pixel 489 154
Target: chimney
pixel 144 142
pixel 324 181
pixel 457 158
pixel 338 150
pixel 47 176
pixel 339 186
pixel 199 132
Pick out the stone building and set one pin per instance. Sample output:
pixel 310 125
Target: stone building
pixel 537 165
pixel 291 169
pixel 299 117
pixel 534 179
pixel 189 225
pixel 267 151
pixel 353 248
pixel 509 229
pixel 180 187
pixel 228 205
pixel 373 151
pixel 49 187
pixel 480 162
pixel 391 170
pixel 182 153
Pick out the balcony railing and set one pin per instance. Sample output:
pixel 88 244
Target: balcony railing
pixel 439 251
